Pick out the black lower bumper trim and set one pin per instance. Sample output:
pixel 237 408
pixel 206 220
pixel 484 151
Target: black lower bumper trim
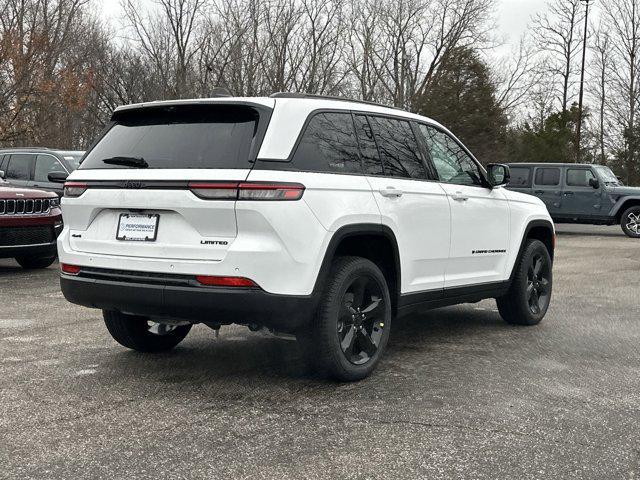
pixel 45 250
pixel 196 304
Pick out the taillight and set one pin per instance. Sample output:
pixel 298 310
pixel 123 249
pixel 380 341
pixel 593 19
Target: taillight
pixel 247 190
pixel 270 191
pixel 215 190
pixel 70 269
pixel 74 189
pixel 225 281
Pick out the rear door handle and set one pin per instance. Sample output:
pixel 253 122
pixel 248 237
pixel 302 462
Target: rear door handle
pixel 391 192
pixel 539 192
pixel 459 197
pixel 568 193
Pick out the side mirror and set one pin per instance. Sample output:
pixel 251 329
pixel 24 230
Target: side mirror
pixel 58 177
pixel 498 174
pixel 594 183
pixel 2 175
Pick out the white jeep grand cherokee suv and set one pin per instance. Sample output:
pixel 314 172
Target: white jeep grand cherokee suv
pixel 314 216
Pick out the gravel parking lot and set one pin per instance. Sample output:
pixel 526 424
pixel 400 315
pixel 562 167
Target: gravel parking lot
pixel 460 394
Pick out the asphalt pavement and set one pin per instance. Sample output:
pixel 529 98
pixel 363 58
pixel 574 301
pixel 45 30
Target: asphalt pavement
pixel 459 394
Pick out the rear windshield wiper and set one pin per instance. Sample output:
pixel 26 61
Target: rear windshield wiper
pixel 137 162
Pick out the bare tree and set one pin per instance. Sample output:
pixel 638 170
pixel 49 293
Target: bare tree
pixel 601 69
pixel 558 35
pixel 321 66
pixel 516 76
pixel 169 36
pixel 41 72
pixel 622 21
pixel 399 44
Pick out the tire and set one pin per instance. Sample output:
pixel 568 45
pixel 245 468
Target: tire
pixel 630 222
pixel 517 307
pixel 348 347
pixel 34 263
pixel 134 332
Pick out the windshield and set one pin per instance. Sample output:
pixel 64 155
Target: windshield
pixel 73 161
pixel 607 176
pixel 187 136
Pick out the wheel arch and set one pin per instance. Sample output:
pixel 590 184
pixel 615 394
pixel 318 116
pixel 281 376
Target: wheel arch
pixel 622 205
pixel 538 230
pixel 374 242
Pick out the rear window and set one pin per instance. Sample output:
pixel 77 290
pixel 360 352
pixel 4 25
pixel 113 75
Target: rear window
pixel 187 136
pixel 548 176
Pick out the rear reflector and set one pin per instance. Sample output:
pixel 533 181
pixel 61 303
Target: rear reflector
pixel 225 281
pixel 74 189
pixel 70 269
pixel 247 190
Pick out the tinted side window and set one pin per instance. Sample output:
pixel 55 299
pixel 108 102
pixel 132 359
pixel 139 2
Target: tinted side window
pixel 452 163
pixel 19 167
pixel 398 148
pixel 368 149
pixel 548 176
pixel 329 145
pixel 520 177
pixel 579 177
pixel 46 164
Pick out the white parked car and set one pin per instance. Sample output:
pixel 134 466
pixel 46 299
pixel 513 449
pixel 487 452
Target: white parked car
pixel 314 216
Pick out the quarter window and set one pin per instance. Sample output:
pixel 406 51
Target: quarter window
pixel 398 148
pixel 548 176
pixel 20 167
pixel 329 145
pixel 452 162
pixel 46 164
pixel 579 177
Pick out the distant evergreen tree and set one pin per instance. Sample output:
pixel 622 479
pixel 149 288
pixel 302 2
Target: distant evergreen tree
pixel 462 97
pixel 552 141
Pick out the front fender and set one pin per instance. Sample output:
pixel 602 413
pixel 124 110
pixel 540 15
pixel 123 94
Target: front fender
pixel 618 207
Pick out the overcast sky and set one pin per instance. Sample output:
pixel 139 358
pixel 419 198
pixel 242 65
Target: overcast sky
pixel 512 15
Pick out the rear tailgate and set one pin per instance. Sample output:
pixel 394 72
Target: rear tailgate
pixel 181 145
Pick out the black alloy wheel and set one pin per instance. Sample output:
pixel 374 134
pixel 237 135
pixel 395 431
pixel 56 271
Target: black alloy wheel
pixel 538 284
pixel 529 296
pixel 351 327
pixel 361 322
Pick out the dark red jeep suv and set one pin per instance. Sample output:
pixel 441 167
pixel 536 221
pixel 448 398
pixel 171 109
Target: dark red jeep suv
pixel 30 222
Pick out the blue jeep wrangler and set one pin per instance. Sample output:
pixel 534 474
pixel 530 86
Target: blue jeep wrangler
pixel 579 193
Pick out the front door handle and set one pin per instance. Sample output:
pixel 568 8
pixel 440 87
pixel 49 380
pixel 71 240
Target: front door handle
pixel 568 193
pixel 539 192
pixel 459 197
pixel 391 192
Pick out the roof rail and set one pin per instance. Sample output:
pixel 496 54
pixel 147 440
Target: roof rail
pixel 13 149
pixel 327 97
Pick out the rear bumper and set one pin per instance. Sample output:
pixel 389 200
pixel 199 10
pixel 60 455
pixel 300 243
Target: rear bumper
pixel 155 298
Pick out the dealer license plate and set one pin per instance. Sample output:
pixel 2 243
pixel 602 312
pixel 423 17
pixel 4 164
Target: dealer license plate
pixel 136 227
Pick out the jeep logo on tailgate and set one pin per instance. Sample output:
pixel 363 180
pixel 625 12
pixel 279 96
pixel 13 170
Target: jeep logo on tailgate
pixel 133 184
